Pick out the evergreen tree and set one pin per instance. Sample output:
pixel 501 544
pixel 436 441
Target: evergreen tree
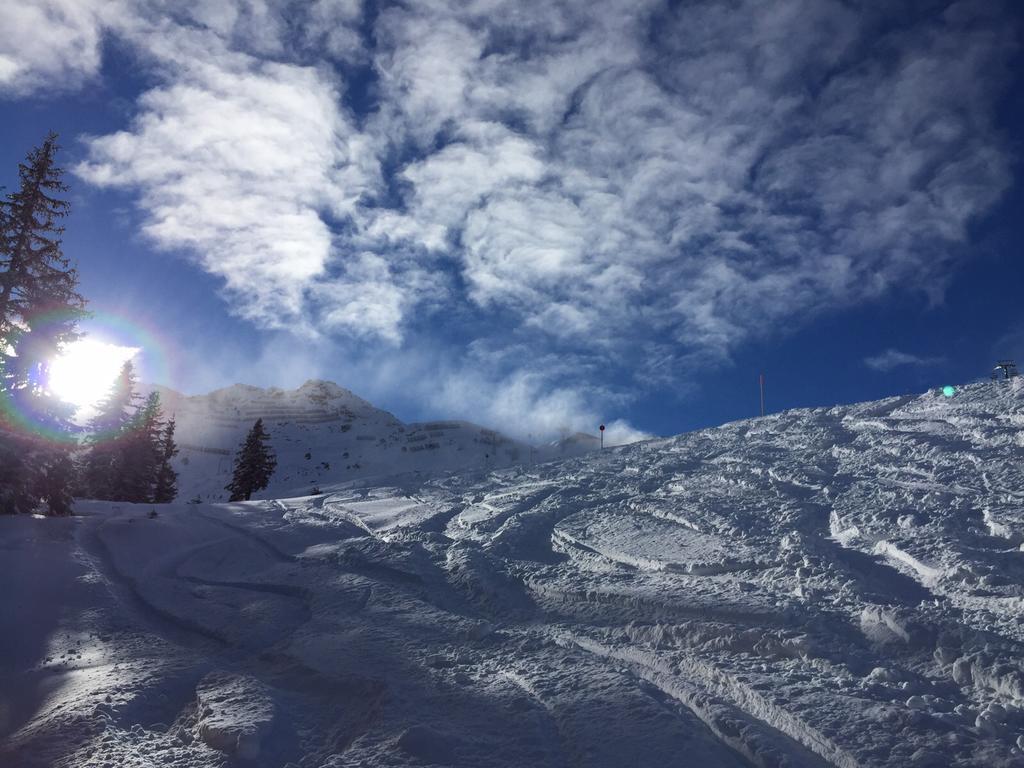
pixel 39 310
pixel 16 494
pixel 35 270
pixel 130 447
pixel 139 454
pixel 109 431
pixel 166 488
pixel 254 464
pixel 54 483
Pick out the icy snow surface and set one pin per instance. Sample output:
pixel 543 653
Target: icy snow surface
pixel 820 587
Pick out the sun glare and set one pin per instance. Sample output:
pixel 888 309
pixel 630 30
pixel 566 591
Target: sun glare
pixel 82 375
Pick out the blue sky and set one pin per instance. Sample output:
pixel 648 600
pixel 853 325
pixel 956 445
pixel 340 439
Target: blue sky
pixel 536 214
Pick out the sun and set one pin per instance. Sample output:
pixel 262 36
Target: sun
pixel 83 373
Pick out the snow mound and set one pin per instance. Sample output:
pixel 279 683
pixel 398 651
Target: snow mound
pixel 427 745
pixel 234 713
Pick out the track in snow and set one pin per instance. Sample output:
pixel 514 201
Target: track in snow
pixel 814 588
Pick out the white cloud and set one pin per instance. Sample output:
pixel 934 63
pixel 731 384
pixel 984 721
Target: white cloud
pixel 893 358
pixel 239 161
pixel 514 389
pixel 52 43
pixel 448 185
pixel 646 186
pixel 523 248
pixel 367 301
pixel 619 432
pixel 426 65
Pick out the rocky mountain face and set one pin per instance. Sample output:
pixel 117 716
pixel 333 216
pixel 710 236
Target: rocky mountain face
pixel 324 435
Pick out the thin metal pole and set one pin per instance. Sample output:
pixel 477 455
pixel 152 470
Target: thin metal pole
pixel 762 394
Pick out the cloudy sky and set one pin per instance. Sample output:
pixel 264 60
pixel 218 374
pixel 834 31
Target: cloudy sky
pixel 533 213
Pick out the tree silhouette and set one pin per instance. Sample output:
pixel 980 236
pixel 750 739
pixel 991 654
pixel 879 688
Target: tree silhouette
pixel 254 464
pixel 166 488
pixel 39 311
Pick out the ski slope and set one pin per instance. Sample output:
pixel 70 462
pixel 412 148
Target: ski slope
pixel 837 586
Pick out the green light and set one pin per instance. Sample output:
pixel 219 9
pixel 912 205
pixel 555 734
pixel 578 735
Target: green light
pixel 948 391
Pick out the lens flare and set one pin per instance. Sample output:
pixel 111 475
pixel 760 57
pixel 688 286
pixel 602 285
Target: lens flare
pixel 85 369
pixel 80 375
pixel 153 360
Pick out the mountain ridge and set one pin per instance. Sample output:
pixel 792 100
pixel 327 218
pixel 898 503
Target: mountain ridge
pixel 324 434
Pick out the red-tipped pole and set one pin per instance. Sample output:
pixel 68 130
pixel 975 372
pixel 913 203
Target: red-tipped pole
pixel 602 436
pixel 762 394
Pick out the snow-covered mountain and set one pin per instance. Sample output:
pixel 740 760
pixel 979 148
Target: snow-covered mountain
pixel 324 435
pixel 828 587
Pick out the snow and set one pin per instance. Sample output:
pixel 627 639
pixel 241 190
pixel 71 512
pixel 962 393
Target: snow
pixel 838 586
pixel 234 713
pixel 324 437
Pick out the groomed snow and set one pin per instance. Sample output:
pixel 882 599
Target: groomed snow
pixel 835 586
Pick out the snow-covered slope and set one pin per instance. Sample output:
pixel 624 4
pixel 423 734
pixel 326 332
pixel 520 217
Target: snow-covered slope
pixel 835 586
pixel 323 434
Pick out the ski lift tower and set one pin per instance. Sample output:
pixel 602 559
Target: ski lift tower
pixel 1004 370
